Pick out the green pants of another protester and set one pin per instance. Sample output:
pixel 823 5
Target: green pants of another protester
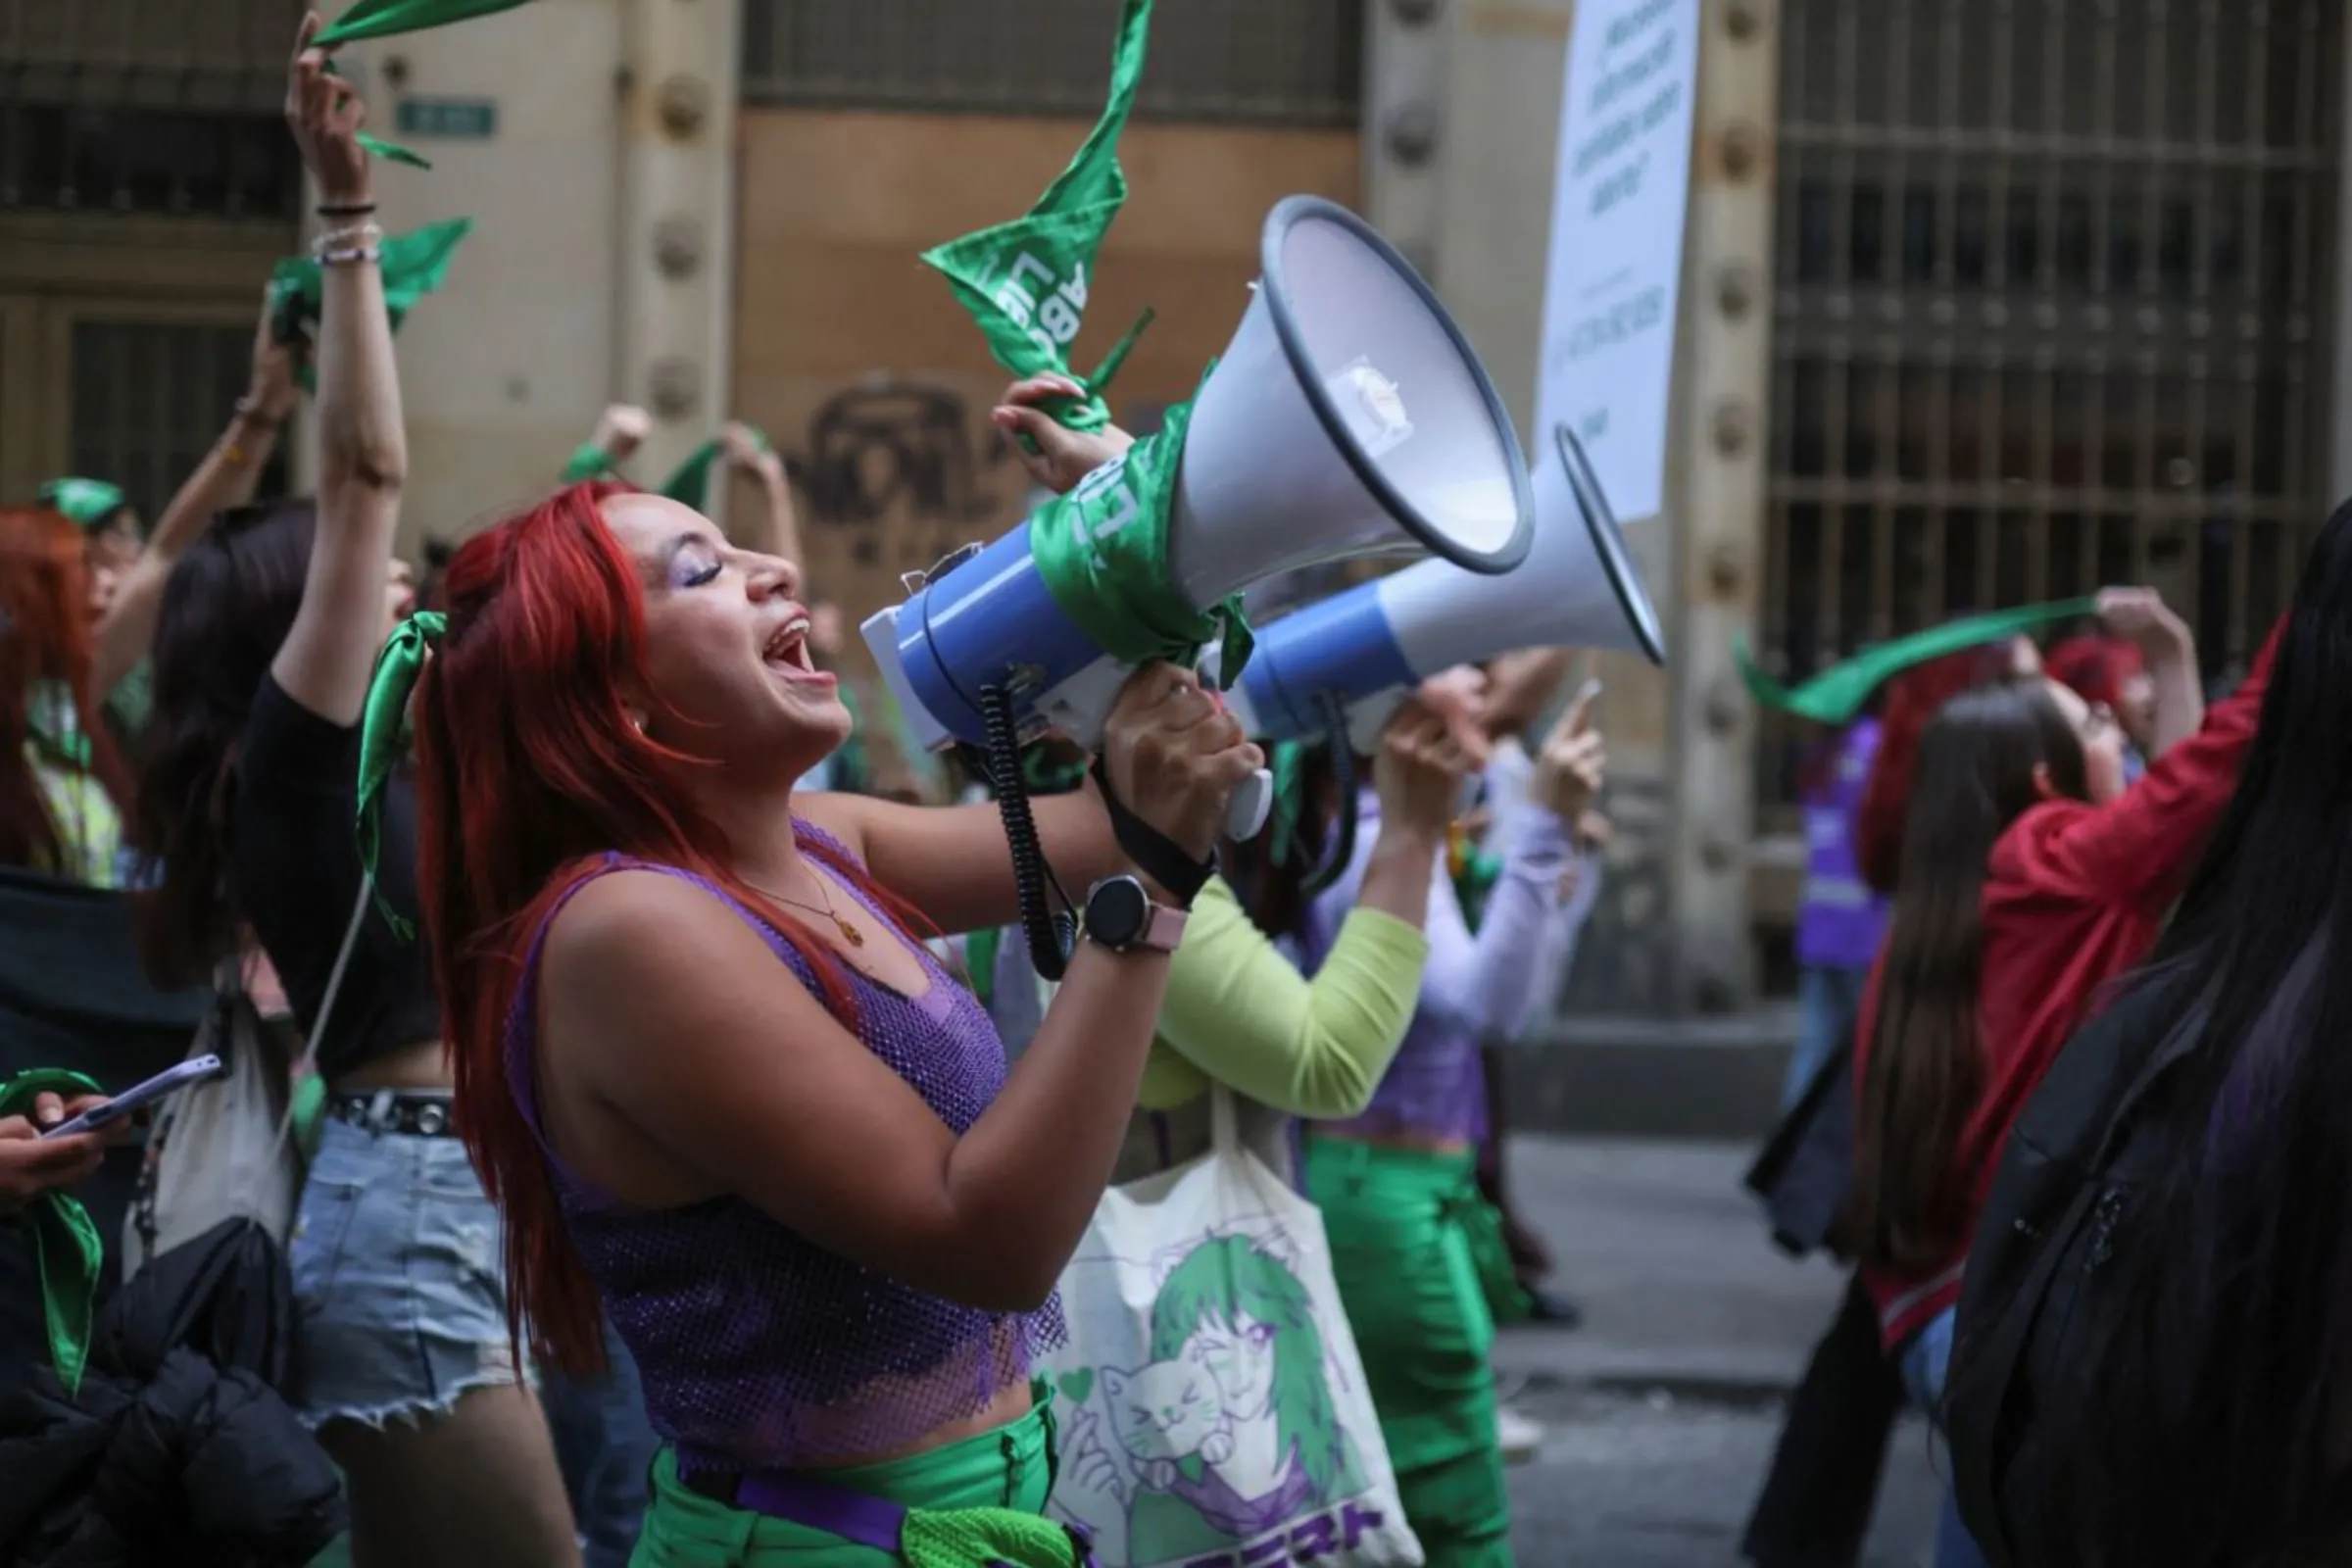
pixel 1010 1467
pixel 1400 1225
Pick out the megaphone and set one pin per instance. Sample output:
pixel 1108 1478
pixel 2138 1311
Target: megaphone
pixel 1357 654
pixel 1348 418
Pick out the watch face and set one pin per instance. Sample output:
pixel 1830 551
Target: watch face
pixel 1116 911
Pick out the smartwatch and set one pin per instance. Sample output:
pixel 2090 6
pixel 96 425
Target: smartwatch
pixel 1121 917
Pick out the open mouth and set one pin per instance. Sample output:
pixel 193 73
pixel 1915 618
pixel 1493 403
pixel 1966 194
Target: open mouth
pixel 787 652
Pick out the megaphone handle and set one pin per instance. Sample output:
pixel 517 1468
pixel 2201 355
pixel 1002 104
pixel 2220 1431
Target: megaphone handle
pixel 1251 804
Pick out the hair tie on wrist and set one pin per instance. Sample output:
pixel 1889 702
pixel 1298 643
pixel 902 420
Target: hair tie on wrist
pixel 345 209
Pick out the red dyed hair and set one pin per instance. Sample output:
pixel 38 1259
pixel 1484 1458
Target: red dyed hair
pixel 2096 667
pixel 44 636
pixel 1913 698
pixel 530 772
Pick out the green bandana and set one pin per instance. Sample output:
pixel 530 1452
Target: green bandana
pixel 1026 281
pixel 88 503
pixel 1836 694
pixel 690 486
pixel 1289 761
pixel 393 152
pixel 412 265
pixel 588 462
pixel 66 1249
pixel 381 19
pixel 384 735
pixel 980 950
pixel 1102 552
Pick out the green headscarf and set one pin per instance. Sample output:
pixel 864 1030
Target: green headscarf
pixel 89 503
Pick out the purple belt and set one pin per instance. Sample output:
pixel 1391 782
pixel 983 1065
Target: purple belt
pixel 853 1516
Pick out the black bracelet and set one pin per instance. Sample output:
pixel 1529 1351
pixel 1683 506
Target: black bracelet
pixel 1154 854
pixel 346 210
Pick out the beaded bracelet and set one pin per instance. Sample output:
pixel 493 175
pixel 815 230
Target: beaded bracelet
pixel 361 256
pixel 336 240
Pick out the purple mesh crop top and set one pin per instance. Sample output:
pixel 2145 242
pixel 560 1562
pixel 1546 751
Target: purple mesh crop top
pixel 759 1350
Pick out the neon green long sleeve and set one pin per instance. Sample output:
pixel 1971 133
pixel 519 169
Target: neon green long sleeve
pixel 1237 1012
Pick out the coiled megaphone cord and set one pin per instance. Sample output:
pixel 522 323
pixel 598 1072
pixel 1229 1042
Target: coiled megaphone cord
pixel 1051 937
pixel 1343 775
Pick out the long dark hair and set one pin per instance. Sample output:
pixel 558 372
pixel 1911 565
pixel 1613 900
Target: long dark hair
pixel 2214 1413
pixel 1981 762
pixel 226 607
pixel 1268 873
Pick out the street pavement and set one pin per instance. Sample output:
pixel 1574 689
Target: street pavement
pixel 1661 1409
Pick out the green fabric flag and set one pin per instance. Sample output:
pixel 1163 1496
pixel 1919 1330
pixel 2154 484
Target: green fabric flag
pixel 381 19
pixel 690 486
pixel 65 1247
pixel 588 462
pixel 384 735
pixel 1025 281
pixel 414 266
pixel 1102 552
pixel 1836 694
pixel 393 152
pixel 88 503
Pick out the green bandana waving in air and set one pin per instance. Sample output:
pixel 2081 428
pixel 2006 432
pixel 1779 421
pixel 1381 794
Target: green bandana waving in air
pixel 88 503
pixel 1026 281
pixel 381 19
pixel 413 267
pixel 1836 694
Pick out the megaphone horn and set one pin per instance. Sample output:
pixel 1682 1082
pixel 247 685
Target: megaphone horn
pixel 1348 418
pixel 1579 588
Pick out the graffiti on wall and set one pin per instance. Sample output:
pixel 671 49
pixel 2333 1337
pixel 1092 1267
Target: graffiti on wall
pixel 901 473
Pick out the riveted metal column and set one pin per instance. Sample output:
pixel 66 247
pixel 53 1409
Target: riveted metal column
pixel 1405 49
pixel 1716 497
pixel 677 222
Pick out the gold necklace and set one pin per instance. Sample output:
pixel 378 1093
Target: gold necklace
pixel 848 933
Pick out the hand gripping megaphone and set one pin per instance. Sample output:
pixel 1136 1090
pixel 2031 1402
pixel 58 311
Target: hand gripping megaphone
pixel 1352 657
pixel 1348 418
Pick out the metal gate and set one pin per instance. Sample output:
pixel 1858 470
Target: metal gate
pixel 2053 285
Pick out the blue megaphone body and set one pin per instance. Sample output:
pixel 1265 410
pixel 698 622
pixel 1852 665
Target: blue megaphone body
pixel 1348 418
pixel 1355 657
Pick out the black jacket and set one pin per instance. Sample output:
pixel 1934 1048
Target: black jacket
pixel 178 1450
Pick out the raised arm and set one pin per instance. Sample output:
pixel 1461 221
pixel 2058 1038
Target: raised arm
pixel 327 656
pixel 761 1091
pixel 2170 650
pixel 779 530
pixel 225 478
pixel 1241 1012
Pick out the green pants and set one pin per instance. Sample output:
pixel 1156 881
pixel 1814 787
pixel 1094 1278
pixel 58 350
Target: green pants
pixel 1399 1222
pixel 1010 1467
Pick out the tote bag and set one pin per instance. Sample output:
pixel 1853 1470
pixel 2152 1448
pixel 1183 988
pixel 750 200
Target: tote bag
pixel 1213 1408
pixel 227 1150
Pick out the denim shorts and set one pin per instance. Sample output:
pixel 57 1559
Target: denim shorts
pixel 399 1280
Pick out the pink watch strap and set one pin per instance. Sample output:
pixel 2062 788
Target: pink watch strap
pixel 1163 931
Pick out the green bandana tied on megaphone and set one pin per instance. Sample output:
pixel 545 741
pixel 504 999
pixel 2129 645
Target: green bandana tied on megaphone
pixel 1102 552
pixel 1836 694
pixel 86 502
pixel 67 1250
pixel 1026 281
pixel 381 19
pixel 1289 763
pixel 383 736
pixel 412 265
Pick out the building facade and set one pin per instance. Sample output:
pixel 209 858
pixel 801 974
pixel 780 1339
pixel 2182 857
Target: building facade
pixel 1985 300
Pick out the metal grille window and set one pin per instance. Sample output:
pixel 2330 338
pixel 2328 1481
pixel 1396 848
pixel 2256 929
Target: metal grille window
pixel 2052 293
pixel 147 106
pixel 149 400
pixel 1283 62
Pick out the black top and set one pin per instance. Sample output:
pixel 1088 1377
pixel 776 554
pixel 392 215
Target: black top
pixel 296 863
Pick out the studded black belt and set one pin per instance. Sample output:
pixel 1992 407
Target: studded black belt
pixel 407 1114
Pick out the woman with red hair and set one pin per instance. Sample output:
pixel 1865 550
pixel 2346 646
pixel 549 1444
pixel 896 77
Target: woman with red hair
pixel 63 790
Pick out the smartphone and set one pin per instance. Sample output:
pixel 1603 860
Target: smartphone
pixel 194 1070
pixel 1589 692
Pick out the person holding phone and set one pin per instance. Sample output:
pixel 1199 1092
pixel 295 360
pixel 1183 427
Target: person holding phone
pixel 35 1159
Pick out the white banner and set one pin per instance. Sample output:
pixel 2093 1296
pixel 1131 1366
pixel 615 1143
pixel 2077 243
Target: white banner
pixel 1617 206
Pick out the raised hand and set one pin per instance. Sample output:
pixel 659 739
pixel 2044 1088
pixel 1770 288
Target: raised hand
pixel 1062 456
pixel 326 113
pixel 1175 755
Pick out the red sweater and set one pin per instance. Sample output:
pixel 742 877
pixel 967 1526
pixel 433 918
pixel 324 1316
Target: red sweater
pixel 2075 895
